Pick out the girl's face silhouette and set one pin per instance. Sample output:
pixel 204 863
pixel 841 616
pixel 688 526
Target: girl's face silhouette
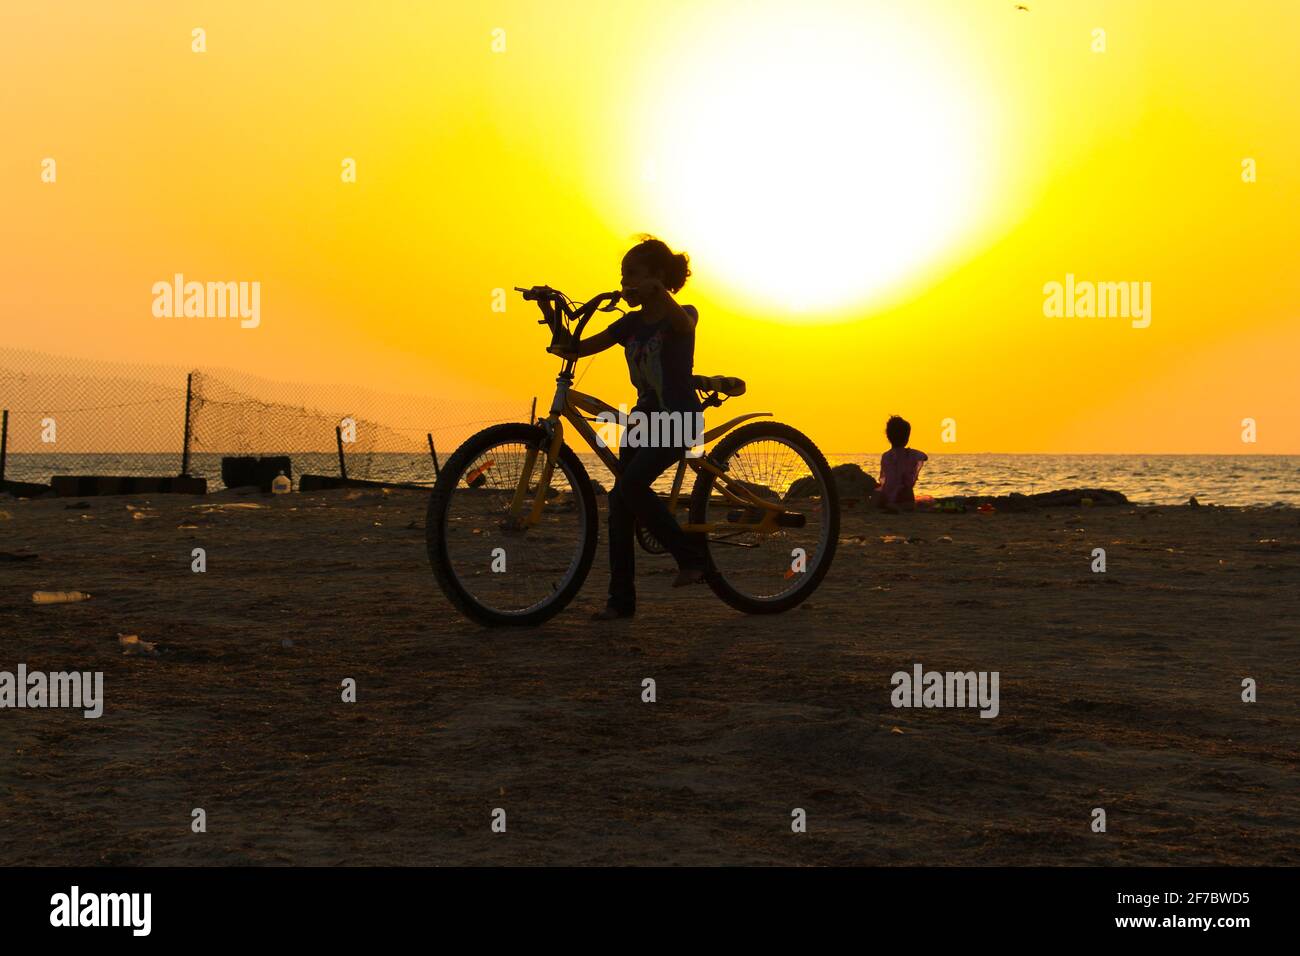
pixel 634 274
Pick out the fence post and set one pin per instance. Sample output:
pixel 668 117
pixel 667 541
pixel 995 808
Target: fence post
pixel 185 451
pixel 532 412
pixel 343 465
pixel 4 444
pixel 434 455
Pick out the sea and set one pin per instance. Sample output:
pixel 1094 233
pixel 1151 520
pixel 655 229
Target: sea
pixel 1255 480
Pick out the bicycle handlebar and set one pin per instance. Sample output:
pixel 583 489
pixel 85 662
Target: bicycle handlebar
pixel 558 310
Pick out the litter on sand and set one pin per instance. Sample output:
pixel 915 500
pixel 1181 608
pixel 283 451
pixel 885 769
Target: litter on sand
pixel 133 646
pixel 59 597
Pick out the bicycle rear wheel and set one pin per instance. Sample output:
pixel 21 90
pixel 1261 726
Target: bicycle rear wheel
pixel 768 572
pixel 494 571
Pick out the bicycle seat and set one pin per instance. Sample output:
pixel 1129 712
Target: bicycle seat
pixel 724 384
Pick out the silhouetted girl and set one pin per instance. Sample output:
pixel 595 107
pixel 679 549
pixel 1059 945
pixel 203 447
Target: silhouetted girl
pixel 658 339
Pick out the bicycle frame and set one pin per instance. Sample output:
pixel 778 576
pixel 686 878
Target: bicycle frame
pixel 574 406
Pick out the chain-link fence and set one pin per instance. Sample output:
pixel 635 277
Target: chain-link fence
pixel 74 416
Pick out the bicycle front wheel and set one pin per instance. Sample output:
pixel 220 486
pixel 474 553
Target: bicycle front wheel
pixel 765 572
pixel 496 569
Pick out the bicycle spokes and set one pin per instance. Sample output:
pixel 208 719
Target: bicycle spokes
pixel 765 549
pixel 511 539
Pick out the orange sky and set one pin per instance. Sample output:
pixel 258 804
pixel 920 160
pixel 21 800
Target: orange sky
pixel 873 197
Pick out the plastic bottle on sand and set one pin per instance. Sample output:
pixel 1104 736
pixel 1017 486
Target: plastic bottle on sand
pixel 59 597
pixel 281 485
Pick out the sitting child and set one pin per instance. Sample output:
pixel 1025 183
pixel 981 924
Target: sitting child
pixel 899 468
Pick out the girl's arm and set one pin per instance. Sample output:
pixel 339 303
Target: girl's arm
pixel 597 343
pixel 588 346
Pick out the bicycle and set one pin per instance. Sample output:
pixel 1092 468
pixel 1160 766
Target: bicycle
pixel 512 521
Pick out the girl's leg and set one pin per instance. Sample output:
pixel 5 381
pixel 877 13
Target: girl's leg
pixel 622 543
pixel 636 493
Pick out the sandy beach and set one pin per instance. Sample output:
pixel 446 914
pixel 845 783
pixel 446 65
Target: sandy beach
pixel 1119 690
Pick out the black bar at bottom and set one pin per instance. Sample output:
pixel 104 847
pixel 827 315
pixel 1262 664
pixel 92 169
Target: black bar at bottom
pixel 911 905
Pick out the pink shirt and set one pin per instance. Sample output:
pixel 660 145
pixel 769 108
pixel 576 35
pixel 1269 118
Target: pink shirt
pixel 899 468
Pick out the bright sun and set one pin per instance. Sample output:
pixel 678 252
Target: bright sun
pixel 812 165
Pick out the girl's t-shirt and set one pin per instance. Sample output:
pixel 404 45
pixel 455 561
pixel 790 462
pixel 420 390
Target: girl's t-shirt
pixel 660 360
pixel 899 469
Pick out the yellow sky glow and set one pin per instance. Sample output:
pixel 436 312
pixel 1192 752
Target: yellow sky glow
pixel 874 197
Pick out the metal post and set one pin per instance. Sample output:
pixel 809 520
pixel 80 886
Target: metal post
pixel 434 455
pixel 532 412
pixel 343 465
pixel 4 444
pixel 185 451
